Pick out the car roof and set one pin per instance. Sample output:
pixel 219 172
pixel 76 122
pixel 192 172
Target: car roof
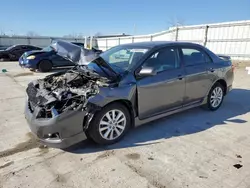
pixel 15 45
pixel 152 44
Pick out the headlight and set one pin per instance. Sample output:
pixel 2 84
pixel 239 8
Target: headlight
pixel 31 57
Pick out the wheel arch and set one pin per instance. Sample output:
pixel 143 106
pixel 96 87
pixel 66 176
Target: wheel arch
pixel 128 105
pixel 223 83
pixel 37 65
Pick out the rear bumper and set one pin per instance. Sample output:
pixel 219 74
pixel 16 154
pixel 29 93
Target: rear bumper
pixel 61 131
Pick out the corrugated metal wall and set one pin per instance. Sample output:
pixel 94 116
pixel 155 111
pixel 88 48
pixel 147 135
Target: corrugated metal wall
pixel 229 38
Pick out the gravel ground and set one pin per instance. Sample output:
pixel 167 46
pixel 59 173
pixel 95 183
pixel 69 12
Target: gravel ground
pixel 196 148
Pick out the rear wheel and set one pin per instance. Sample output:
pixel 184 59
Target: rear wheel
pixel 5 58
pixel 110 124
pixel 215 97
pixel 45 66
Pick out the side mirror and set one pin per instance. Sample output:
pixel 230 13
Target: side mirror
pixel 147 71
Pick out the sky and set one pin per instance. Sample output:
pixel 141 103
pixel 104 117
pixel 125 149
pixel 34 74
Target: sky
pixel 64 17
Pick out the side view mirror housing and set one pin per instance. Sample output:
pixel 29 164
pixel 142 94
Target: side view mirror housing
pixel 147 71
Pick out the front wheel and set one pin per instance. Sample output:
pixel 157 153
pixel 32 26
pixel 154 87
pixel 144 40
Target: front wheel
pixel 110 124
pixel 45 66
pixel 215 97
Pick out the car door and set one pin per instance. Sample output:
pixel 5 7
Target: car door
pixel 29 48
pixel 198 80
pixel 23 50
pixel 165 90
pixel 16 52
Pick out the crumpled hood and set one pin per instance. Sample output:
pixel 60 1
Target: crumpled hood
pixel 77 54
pixel 73 53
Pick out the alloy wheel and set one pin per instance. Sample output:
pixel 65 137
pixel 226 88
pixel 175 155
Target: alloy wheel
pixel 112 124
pixel 216 97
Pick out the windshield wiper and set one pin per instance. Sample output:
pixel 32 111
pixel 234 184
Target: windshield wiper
pixel 103 70
pixel 101 62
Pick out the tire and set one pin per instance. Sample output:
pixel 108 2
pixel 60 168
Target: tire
pixel 212 97
pixel 97 131
pixel 45 66
pixel 5 58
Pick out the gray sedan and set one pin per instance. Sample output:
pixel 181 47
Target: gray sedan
pixel 126 86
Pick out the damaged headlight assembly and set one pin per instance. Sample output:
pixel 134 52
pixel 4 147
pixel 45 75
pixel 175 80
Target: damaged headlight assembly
pixel 65 91
pixel 60 93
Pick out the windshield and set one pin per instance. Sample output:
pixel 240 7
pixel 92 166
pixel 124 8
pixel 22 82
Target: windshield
pixel 47 49
pixel 123 58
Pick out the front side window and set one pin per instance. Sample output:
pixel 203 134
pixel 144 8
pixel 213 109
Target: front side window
pixel 163 59
pixel 193 57
pixel 123 57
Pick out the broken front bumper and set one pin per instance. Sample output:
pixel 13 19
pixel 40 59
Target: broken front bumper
pixel 60 131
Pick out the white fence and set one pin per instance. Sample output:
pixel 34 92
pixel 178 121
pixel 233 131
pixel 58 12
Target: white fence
pixel 228 38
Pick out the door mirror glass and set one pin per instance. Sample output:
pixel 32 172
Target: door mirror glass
pixel 147 71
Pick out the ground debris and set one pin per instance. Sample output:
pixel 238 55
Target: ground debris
pixel 105 154
pixel 238 166
pixel 23 74
pixel 7 164
pixel 133 156
pixel 21 147
pixel 238 156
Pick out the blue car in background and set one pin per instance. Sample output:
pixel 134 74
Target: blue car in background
pixel 44 60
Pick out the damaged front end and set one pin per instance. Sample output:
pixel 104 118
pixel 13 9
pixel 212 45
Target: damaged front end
pixel 62 92
pixel 57 109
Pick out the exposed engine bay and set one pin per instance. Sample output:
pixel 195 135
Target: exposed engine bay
pixel 64 91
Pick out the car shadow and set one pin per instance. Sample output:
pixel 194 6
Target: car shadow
pixel 189 122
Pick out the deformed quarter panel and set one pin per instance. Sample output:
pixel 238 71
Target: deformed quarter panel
pixel 125 90
pixel 108 95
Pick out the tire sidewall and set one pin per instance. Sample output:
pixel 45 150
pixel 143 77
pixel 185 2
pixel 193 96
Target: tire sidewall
pixel 93 129
pixel 210 107
pixel 45 66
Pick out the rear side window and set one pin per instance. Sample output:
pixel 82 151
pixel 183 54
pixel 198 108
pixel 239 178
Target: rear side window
pixel 193 57
pixel 163 59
